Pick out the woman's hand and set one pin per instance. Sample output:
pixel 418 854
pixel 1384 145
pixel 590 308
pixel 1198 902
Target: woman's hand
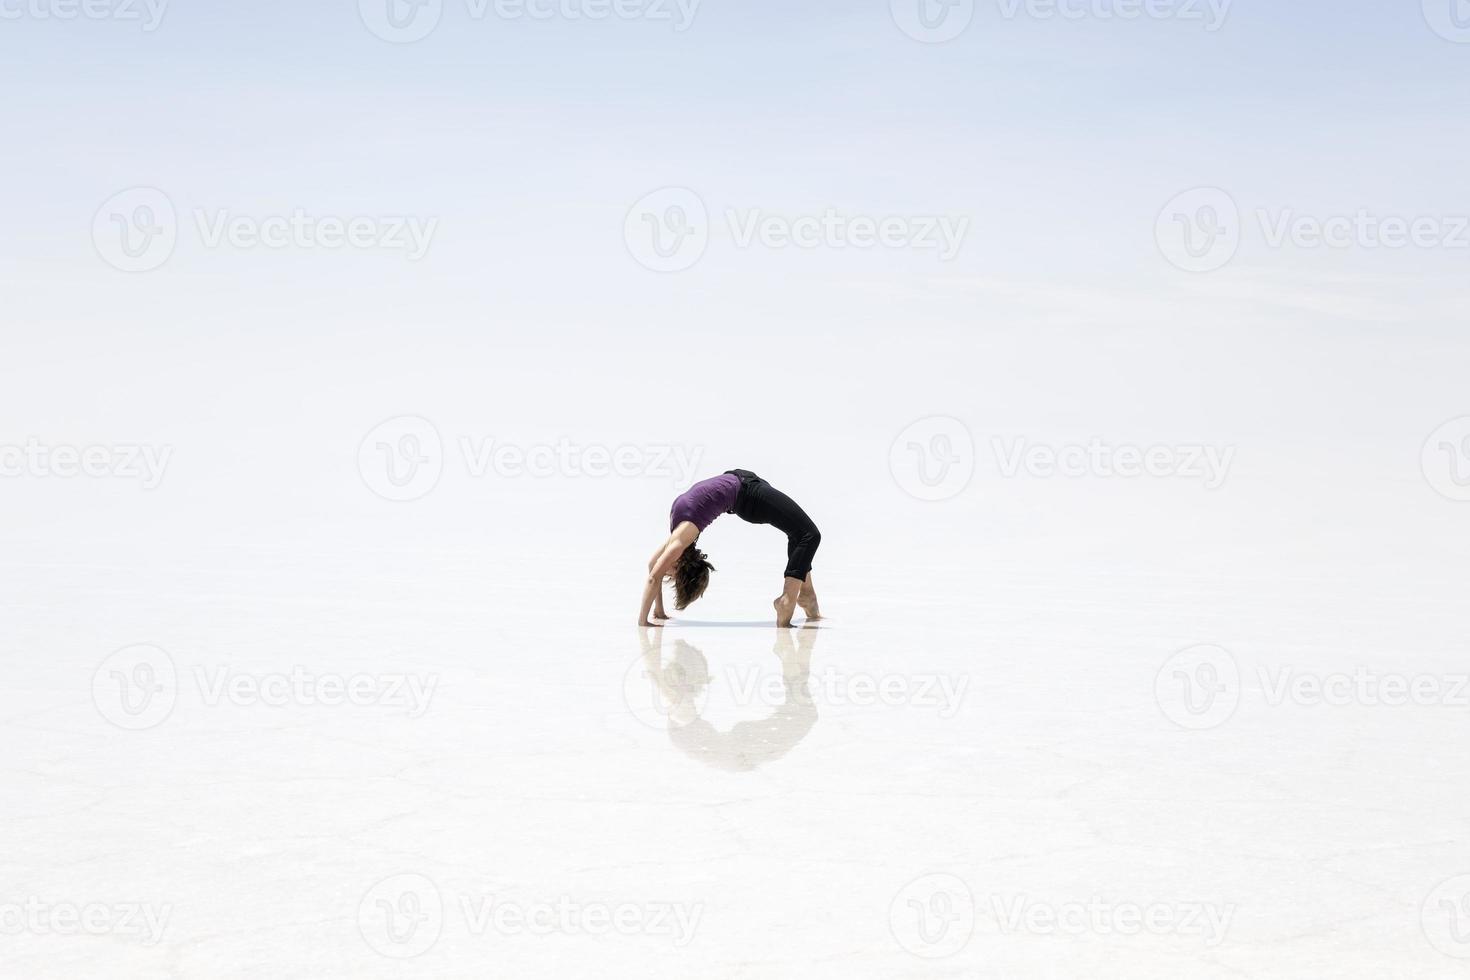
pixel 652 599
pixel 662 563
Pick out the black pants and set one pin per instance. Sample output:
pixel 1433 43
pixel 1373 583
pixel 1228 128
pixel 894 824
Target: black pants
pixel 760 503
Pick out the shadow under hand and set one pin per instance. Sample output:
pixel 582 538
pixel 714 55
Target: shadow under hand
pixel 762 622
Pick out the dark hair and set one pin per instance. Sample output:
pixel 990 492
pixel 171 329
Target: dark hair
pixel 691 576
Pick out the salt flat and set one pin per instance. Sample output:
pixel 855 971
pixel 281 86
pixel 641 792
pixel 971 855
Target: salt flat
pixel 349 765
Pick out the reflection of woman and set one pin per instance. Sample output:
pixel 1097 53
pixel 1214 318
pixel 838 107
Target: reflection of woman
pixel 748 744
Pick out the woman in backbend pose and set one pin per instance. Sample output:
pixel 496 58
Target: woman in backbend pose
pixel 747 496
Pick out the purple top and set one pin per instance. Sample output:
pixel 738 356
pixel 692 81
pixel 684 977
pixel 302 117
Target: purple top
pixel 705 501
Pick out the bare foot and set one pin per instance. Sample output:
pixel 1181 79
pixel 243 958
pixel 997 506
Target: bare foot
pixel 784 609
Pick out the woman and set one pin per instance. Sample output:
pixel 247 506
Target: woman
pixel 747 496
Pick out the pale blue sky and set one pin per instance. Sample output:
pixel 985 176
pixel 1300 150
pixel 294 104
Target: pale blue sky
pixel 531 139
